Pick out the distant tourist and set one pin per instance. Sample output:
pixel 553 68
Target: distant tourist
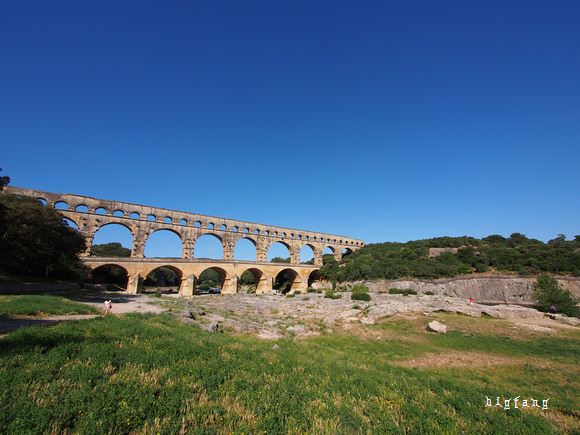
pixel 553 308
pixel 108 306
pixel 470 301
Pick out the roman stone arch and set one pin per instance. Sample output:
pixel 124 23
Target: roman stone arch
pixel 161 281
pixel 209 235
pixel 170 230
pixel 251 241
pixel 225 279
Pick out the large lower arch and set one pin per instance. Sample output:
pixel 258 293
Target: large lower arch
pixel 285 280
pixel 224 279
pixel 111 276
pixel 262 280
pixel 164 277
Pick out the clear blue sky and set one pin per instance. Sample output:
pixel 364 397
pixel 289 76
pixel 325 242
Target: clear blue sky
pixel 379 120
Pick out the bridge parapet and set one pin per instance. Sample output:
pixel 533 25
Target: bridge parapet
pixel 90 214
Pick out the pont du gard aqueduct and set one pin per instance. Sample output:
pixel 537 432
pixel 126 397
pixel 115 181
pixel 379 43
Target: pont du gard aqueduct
pixel 91 214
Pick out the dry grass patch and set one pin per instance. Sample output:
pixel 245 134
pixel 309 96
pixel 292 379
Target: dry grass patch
pixel 455 358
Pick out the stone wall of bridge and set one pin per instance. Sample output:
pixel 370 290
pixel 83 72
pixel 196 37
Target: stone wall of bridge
pixel 189 271
pixel 91 214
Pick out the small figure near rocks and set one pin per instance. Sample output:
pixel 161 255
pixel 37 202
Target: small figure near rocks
pixel 108 305
pixel 435 326
pixel 470 301
pixel 214 327
pixel 553 308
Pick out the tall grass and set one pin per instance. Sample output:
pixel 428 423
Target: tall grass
pixel 154 374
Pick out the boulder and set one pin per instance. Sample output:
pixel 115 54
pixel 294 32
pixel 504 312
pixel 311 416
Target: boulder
pixel 435 326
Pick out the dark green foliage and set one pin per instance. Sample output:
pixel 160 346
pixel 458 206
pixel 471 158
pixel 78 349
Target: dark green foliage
pixel 114 249
pixel 411 260
pixel 4 181
pixel 548 293
pixel 108 275
pixel 209 279
pixel 35 240
pixel 360 297
pixel 162 277
pixel 247 278
pixel 406 292
pixel 360 293
pixel 329 294
pixel 280 260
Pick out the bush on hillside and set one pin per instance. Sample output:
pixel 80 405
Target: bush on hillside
pixel 548 293
pixel 360 293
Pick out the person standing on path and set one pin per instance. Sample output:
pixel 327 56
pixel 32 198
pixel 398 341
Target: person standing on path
pixel 108 306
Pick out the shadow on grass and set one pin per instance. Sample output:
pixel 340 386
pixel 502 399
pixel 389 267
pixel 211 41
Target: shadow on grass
pixel 27 338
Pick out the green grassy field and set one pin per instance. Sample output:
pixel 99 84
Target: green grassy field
pixel 149 374
pixel 41 305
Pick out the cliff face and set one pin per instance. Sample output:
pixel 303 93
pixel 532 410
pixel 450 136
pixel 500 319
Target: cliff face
pixel 483 289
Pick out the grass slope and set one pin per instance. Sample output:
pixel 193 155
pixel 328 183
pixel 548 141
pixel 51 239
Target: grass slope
pixel 154 374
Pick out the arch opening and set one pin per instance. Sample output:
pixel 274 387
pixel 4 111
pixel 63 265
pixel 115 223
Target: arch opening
pixel 112 240
pixel 249 281
pixel 307 254
pixel 284 280
pixel 163 279
pixel 245 249
pixel 164 244
pixel 111 276
pixel 211 281
pixel 82 208
pixel 61 205
pixel 278 252
pixel 209 246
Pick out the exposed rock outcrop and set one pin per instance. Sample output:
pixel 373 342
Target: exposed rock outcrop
pixel 487 289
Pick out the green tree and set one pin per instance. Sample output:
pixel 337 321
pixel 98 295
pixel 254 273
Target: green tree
pixel 35 240
pixel 280 260
pixel 114 249
pixel 4 180
pixel 548 292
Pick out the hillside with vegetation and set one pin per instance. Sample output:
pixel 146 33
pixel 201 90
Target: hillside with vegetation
pixel 445 257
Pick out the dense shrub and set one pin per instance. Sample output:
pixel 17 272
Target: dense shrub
pixel 360 293
pixel 406 292
pixel 360 297
pixel 548 293
pixel 329 294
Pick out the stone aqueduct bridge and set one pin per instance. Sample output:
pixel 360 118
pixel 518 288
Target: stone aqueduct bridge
pixel 91 214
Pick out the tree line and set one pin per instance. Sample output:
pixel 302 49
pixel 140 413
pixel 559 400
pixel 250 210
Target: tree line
pixel 515 254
